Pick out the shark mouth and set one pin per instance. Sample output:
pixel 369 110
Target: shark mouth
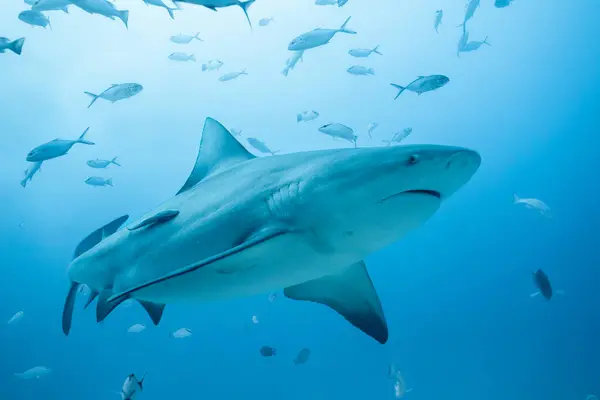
pixel 426 192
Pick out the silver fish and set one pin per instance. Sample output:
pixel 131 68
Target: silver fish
pixel 160 3
pixel 341 131
pixel 261 146
pixel 399 136
pixel 183 57
pixel 470 9
pixel 212 65
pixel 292 61
pixel 55 148
pixel 35 18
pixel 317 37
pixel 185 39
pixel 51 5
pixel 131 386
pixel 360 70
pixel 98 181
pixel 97 163
pixel 307 116
pixel 361 53
pixel 232 75
pixel 423 84
pixel 265 21
pixel 439 14
pixel 103 7
pixel 214 4
pixel 474 45
pixel 371 127
pixel 30 172
pixel 117 92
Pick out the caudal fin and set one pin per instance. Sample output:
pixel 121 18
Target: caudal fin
pixel 114 161
pixel 170 11
pixel 298 117
pixel 486 42
pixel 192 58
pixel 346 30
pixel 400 89
pixel 204 67
pixel 109 182
pixel 93 96
pixel 376 50
pixel 245 5
pixel 24 182
pixel 285 71
pixel 17 46
pixel 516 198
pixel 243 72
pixel 82 138
pixel 197 37
pixel 124 16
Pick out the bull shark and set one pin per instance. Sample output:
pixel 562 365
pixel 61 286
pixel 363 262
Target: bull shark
pixel 243 225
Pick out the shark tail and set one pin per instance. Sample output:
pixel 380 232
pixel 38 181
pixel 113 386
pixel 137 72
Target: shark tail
pixel 17 46
pixel 82 138
pixel 124 16
pixel 376 50
pixel 343 28
pixel 114 161
pixel 400 89
pixel 93 96
pixel 245 6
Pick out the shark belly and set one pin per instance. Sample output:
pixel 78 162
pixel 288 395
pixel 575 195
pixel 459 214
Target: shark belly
pixel 281 262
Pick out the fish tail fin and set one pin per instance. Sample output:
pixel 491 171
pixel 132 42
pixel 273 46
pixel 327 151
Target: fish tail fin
pixel 371 71
pixel 65 9
pixel 17 46
pixel 124 16
pixel 49 24
pixel 114 161
pixel 298 117
pixel 245 6
pixel 346 30
pixel 141 382
pixel 193 58
pixel 285 71
pixel 486 42
pixel 204 67
pixel 82 139
pixel 170 11
pixel 197 37
pixel 400 89
pixel 376 50
pixel 94 97
pixel 516 198
pixel 109 182
pixel 243 72
pixel 24 182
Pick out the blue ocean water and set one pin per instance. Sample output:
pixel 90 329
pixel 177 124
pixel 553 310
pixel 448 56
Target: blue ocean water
pixel 455 291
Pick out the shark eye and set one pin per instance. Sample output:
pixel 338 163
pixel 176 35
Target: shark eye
pixel 413 159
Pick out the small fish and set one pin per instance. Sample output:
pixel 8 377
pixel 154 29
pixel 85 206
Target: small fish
pixel 254 319
pixel 98 181
pixel 326 2
pixel 30 172
pixel 317 37
pixel 55 148
pixel 292 61
pixel 103 7
pixel 306 116
pixel 470 9
pixel 97 163
pixel 137 328
pixel 232 75
pixel 16 318
pixel 399 385
pixel 474 45
pixel 362 53
pixel 35 18
pixel 183 57
pixel 265 21
pixel 533 204
pixel 131 386
pixel 267 351
pixel 260 146
pixel 214 4
pixel 236 132
pixel 51 5
pixel 439 14
pixel 302 357
pixel 34 373
pixel 423 84
pixel 502 3
pixel 117 92
pixel 16 46
pixel 360 70
pixel 212 65
pixel 160 3
pixel 371 127
pixel 543 284
pixel 182 333
pixel 399 136
pixel 341 131
pixel 185 39
pixel 272 297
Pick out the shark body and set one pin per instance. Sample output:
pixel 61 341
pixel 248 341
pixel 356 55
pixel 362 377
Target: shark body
pixel 242 225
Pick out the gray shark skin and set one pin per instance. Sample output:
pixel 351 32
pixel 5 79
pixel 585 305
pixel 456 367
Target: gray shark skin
pixel 242 225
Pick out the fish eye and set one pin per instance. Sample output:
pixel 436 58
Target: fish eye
pixel 413 159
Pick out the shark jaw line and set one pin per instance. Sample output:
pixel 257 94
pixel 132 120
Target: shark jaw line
pixel 424 192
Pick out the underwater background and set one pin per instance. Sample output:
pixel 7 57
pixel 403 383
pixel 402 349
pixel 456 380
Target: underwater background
pixel 456 292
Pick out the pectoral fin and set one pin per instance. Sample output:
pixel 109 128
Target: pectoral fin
pixel 105 307
pixel 155 311
pixel 351 294
pixel 253 241
pixel 67 316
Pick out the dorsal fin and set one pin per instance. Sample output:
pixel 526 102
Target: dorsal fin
pixel 98 235
pixel 218 150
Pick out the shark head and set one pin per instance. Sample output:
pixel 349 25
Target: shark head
pixel 374 196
